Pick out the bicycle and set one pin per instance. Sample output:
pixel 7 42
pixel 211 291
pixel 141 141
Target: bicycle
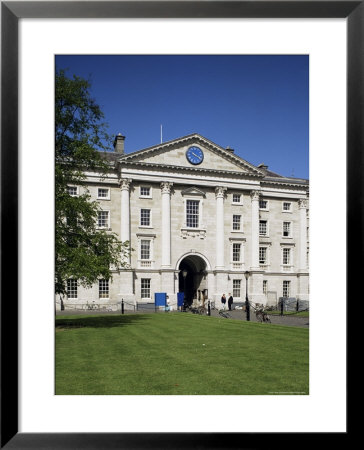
pixel 224 314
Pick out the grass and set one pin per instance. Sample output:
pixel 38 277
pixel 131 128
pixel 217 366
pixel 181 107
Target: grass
pixel 178 353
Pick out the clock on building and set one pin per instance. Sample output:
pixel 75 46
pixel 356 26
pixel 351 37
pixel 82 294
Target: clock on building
pixel 194 155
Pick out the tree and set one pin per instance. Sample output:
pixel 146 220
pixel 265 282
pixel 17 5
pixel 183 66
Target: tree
pixel 82 251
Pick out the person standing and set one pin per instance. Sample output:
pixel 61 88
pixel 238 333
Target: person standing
pixel 223 301
pixel 230 301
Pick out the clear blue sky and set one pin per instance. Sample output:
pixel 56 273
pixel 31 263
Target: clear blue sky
pixel 257 104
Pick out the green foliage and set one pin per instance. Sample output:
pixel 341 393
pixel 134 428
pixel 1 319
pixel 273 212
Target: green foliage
pixel 82 251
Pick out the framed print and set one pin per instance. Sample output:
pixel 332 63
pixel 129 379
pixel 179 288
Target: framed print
pixel 32 33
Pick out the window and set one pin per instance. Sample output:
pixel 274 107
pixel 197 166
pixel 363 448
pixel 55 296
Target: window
pixel 286 288
pixel 192 213
pixel 103 193
pixel 103 288
pixel 145 288
pixel 72 191
pixel 236 288
pixel 286 256
pixel 265 287
pixel 237 198
pixel 262 255
pixel 263 228
pixel 71 288
pixel 286 206
pixel 145 191
pixel 145 249
pixel 263 204
pixel 286 229
pixel 103 219
pixel 236 222
pixel 236 252
pixel 145 217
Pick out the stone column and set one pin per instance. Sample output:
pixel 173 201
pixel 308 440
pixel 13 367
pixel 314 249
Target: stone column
pixel 125 212
pixel 302 204
pixel 166 223
pixel 220 195
pixel 255 230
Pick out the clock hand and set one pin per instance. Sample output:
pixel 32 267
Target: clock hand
pixel 194 154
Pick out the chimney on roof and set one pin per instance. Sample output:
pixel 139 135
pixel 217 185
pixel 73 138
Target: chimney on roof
pixel 119 144
pixel 263 167
pixel 229 149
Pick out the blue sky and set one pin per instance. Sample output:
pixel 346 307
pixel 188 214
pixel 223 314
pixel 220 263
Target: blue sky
pixel 256 104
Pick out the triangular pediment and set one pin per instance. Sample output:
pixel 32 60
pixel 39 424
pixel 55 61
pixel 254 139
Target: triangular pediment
pixel 176 154
pixel 194 192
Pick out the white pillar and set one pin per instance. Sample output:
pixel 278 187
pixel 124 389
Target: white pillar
pixel 166 223
pixel 255 230
pixel 302 204
pixel 220 194
pixel 125 212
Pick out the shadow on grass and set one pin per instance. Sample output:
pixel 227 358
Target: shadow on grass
pixel 98 321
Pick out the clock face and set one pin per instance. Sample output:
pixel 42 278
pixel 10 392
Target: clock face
pixel 194 155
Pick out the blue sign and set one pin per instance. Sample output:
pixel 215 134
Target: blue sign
pixel 160 299
pixel 180 298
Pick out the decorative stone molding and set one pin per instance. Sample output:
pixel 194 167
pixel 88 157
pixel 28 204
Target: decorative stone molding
pixel 220 191
pixel 125 184
pixel 187 232
pixel 166 187
pixel 255 195
pixel 302 203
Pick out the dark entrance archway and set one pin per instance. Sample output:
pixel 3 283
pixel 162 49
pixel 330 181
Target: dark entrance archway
pixel 194 285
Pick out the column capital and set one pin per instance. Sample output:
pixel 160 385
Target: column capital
pixel 303 203
pixel 166 187
pixel 255 195
pixel 220 191
pixel 125 183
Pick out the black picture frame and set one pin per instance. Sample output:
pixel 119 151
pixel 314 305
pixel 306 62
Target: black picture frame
pixel 11 12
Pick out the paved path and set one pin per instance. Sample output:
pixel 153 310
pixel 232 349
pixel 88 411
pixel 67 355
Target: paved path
pixel 290 320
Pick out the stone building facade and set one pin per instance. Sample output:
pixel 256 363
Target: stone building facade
pixel 198 217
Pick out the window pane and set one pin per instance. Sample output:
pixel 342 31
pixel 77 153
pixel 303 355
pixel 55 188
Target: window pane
pixel 144 191
pixel 286 255
pixel 145 288
pixel 72 288
pixel 145 217
pixel 72 190
pixel 263 204
pixel 286 229
pixel 286 206
pixel 236 288
pixel 103 219
pixel 236 198
pixel 262 227
pixel 145 249
pixel 236 222
pixel 103 193
pixel 103 288
pixel 192 213
pixel 262 255
pixel 286 288
pixel 236 252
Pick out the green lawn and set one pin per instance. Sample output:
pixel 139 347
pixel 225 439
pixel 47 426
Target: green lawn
pixel 178 353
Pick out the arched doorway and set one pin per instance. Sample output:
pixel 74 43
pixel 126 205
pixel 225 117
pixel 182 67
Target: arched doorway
pixel 193 278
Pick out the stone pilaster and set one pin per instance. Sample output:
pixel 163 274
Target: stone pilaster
pixel 220 195
pixel 255 230
pixel 166 224
pixel 125 212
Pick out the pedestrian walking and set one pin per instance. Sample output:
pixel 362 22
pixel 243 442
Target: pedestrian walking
pixel 223 301
pixel 230 301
